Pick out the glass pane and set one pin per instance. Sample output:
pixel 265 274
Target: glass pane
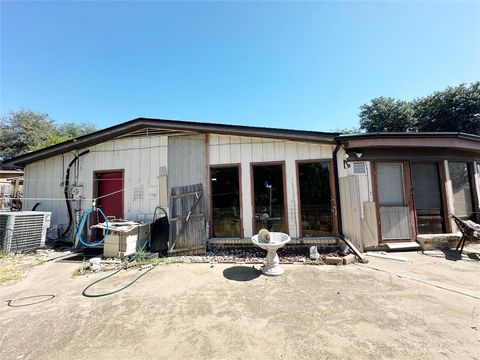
pixel 462 193
pixel 226 219
pixel 315 199
pixel 390 184
pixel 269 197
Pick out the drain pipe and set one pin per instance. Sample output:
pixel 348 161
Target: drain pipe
pixel 66 193
pixel 337 191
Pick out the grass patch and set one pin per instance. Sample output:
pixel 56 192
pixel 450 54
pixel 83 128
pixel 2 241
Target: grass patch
pixel 13 266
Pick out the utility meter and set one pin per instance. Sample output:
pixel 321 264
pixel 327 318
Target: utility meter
pixel 76 192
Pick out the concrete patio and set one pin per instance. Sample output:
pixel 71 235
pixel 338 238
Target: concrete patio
pixel 426 308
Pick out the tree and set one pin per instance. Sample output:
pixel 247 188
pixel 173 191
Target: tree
pixel 453 109
pixel 351 131
pixel 25 130
pixel 387 115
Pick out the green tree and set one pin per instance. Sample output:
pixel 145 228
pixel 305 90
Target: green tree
pixel 453 109
pixel 25 130
pixel 351 131
pixel 387 115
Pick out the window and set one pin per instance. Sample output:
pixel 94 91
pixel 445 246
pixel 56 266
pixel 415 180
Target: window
pixel 462 189
pixel 390 184
pixel 226 216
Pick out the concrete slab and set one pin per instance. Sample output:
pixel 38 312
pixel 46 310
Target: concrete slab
pixel 426 308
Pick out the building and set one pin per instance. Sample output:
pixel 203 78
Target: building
pixel 11 184
pixel 315 186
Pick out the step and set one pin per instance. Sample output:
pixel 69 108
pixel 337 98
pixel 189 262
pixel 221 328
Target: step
pixel 403 246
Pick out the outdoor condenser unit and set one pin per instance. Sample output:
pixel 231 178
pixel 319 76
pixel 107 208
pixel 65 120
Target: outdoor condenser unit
pixel 23 230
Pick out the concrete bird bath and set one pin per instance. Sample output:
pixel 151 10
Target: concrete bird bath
pixel 277 240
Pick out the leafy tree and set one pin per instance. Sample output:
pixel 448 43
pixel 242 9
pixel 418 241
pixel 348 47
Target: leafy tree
pixel 25 130
pixel 352 130
pixel 387 115
pixel 453 109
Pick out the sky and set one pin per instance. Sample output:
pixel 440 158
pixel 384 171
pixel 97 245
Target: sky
pixel 298 65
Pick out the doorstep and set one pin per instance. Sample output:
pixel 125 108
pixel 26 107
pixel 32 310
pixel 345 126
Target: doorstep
pixel 403 246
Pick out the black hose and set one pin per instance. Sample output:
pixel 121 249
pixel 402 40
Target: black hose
pixel 65 192
pixel 35 206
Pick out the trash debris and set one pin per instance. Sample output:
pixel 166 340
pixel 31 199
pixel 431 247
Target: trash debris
pixel 314 254
pixel 385 255
pixel 95 264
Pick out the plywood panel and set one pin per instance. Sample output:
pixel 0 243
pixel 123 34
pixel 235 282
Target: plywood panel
pixel 351 213
pixel 395 224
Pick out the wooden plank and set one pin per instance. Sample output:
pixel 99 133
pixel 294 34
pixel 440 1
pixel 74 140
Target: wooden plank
pixel 190 235
pixel 184 217
pixel 178 196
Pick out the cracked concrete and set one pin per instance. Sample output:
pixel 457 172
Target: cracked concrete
pixel 196 311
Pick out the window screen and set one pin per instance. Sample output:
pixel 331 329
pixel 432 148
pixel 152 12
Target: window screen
pixel 462 193
pixel 390 184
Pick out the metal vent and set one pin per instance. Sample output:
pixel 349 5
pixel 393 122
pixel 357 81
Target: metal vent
pixel 359 168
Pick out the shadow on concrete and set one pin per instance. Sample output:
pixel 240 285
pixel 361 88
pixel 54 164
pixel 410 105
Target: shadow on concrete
pixel 452 255
pixel 241 273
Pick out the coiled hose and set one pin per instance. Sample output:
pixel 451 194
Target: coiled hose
pixel 82 224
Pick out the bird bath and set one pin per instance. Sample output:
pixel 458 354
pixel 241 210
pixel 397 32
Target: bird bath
pixel 277 240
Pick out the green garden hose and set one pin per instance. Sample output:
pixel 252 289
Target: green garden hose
pixel 84 292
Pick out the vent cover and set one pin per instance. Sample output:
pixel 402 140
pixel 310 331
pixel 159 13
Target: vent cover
pixel 359 168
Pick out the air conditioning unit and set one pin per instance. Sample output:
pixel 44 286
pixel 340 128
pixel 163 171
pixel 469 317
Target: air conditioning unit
pixel 23 230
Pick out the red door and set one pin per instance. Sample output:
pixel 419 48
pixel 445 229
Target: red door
pixel 111 184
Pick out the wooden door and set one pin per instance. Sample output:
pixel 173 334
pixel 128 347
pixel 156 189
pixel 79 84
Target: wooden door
pixel 187 220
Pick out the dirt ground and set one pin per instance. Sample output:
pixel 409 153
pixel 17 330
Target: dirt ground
pixel 426 308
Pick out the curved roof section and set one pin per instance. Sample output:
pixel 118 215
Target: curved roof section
pixel 450 140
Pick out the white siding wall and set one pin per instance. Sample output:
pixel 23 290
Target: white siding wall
pixel 245 150
pixel 141 159
pixel 356 201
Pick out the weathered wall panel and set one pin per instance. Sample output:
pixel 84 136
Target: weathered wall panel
pixel 351 209
pixel 140 158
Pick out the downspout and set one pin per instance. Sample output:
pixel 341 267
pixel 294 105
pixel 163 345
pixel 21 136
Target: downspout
pixel 337 191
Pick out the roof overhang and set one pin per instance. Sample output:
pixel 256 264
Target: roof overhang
pixel 445 140
pixel 162 126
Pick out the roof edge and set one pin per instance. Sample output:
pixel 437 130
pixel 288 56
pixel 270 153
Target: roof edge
pixel 106 134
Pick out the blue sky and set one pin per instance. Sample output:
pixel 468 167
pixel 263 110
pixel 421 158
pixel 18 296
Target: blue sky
pixel 286 64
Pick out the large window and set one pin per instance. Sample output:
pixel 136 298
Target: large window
pixel 462 189
pixel 315 199
pixel 269 197
pixel 226 212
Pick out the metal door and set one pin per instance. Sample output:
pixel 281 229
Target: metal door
pixel 393 202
